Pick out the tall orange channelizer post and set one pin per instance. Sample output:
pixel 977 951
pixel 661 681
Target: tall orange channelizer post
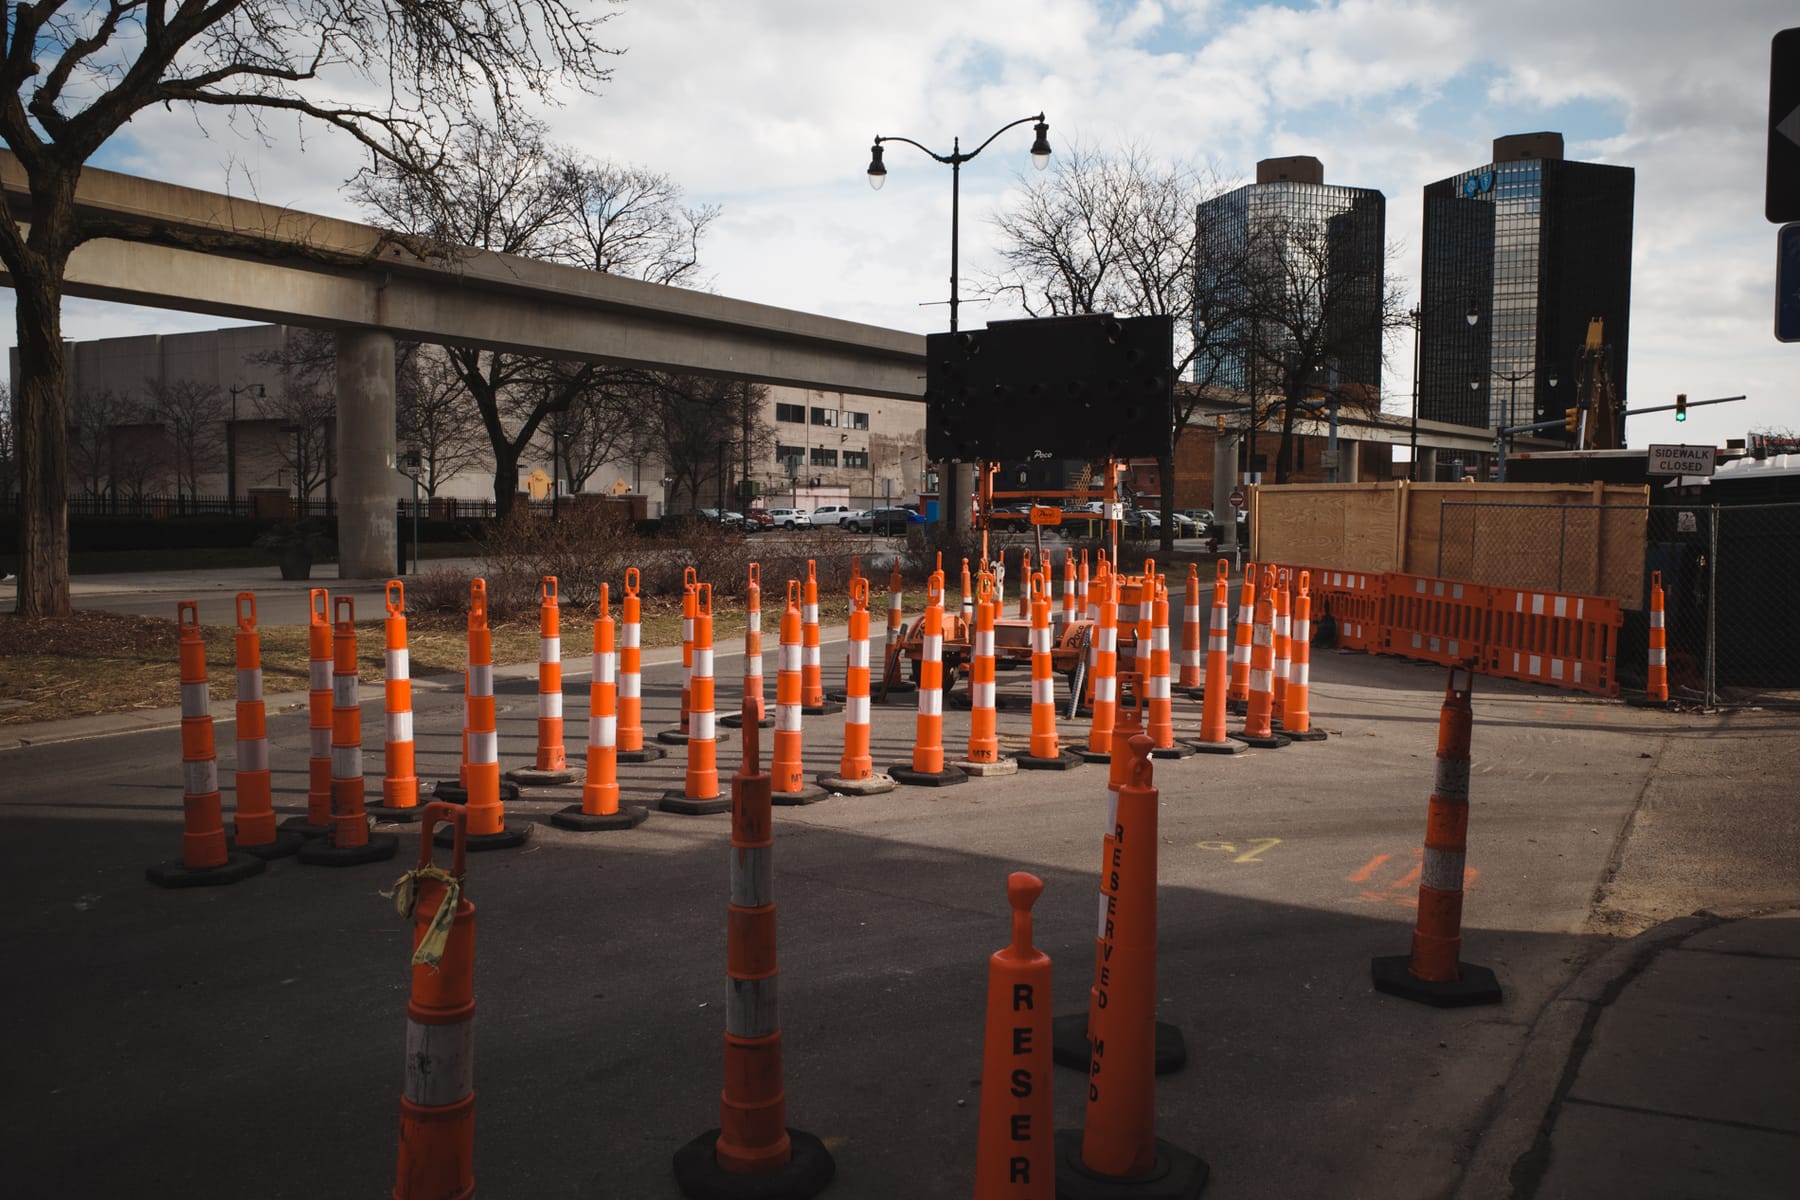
pixel 1106 669
pixel 1192 662
pixel 690 580
pixel 813 701
pixel 349 843
pixel 927 767
pixel 317 821
pixel 891 680
pixel 1142 641
pixel 856 774
pixel 1082 602
pixel 984 757
pixel 437 1099
pixel 1656 675
pixel 699 794
pixel 1433 973
pixel 205 858
pixel 1045 751
pixel 399 776
pixel 1068 592
pixel 600 809
pixel 1161 700
pixel 1239 696
pixel 968 595
pixel 1214 738
pixel 1296 719
pixel 753 654
pixel 1116 1152
pixel 631 677
pixel 488 829
pixel 1259 728
pixel 752 1154
pixel 1282 631
pixel 1025 577
pixel 253 824
pixel 786 764
pixel 1015 1148
pixel 551 764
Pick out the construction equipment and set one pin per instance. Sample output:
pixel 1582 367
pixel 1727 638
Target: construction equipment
pixel 1600 424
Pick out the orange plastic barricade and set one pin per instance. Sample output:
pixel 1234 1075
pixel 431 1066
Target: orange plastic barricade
pixel 1105 675
pixel 699 793
pixel 253 824
pixel 437 1099
pixel 856 774
pixel 927 767
pixel 1439 620
pixel 1564 640
pixel 1296 718
pixel 486 806
pixel 1352 599
pixel 349 843
pixel 317 821
pixel 600 809
pixel 1213 736
pixel 551 764
pixel 1045 752
pixel 1118 1143
pixel 1433 973
pixel 399 774
pixel 631 679
pixel 205 858
pixel 752 1152
pixel 1015 1148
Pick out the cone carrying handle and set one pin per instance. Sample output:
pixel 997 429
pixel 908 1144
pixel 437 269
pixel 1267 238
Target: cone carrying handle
pixel 320 601
pixel 187 616
pixel 1303 585
pixel 396 598
pixel 984 589
pixel 441 810
pixel 703 599
pixel 246 611
pixel 689 578
pixel 812 571
pixel 934 589
pixel 1022 891
pixel 1452 693
pixel 346 609
pixel 478 603
pixel 1224 569
pixel 794 592
pixel 605 603
pixel 859 593
pixel 632 577
pixel 756 576
pixel 547 589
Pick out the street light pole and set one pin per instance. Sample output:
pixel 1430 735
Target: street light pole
pixel 1418 323
pixel 231 443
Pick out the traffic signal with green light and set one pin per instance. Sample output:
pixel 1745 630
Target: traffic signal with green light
pixel 1681 406
pixel 1571 417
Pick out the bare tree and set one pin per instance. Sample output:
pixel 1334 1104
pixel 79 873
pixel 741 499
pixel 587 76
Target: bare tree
pixel 435 412
pixel 193 415
pixel 306 411
pixel 92 416
pixel 393 74
pixel 698 428
pixel 625 220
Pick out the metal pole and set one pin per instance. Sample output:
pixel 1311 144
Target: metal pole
pixel 1331 440
pixel 1412 466
pixel 1712 612
pixel 955 215
pixel 416 518
pixel 231 456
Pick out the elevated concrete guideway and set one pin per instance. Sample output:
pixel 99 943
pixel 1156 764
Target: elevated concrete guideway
pixel 198 251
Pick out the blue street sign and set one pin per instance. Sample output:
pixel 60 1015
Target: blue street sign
pixel 1787 283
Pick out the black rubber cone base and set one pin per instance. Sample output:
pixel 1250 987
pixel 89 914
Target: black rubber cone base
pixel 629 816
pixel 680 804
pixel 948 777
pixel 1094 756
pixel 1274 741
pixel 1066 760
pixel 1179 750
pixel 283 845
pixel 1225 747
pixel 1174 1175
pixel 643 755
pixel 820 710
pixel 1069 1045
pixel 806 1174
pixel 399 816
pixel 1310 735
pixel 321 853
pixel 900 687
pixel 875 785
pixel 508 837
pixel 735 720
pixel 672 737
pixel 303 827
pixel 1237 708
pixel 808 794
pixel 237 866
pixel 532 777
pixel 1193 693
pixel 455 793
pixel 1473 985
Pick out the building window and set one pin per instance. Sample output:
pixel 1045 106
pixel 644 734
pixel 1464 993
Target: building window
pixel 821 457
pixel 791 412
pixel 856 420
pixel 856 458
pixel 785 454
pixel 825 416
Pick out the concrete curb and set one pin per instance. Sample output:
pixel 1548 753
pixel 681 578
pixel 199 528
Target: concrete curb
pixel 1526 1108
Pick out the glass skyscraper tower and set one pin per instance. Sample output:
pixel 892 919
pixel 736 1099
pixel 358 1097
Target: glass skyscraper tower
pixel 1519 254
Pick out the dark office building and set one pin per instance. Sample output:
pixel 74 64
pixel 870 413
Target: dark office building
pixel 1292 215
pixel 1533 246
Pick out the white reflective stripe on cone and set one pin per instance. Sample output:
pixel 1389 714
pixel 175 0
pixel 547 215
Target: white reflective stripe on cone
pixel 1100 925
pixel 630 686
pixel 790 657
pixel 549 649
pixel 631 636
pixel 1159 638
pixel 982 694
pixel 603 731
pixel 856 710
pixel 318 672
pixel 750 1007
pixel 753 664
pixel 931 702
pixel 249 684
pixel 1043 691
pixel 346 762
pixel 195 701
pixel 1105 687
pixel 1442 870
pixel 1452 782
pixel 752 876
pixel 1260 681
pixel 1299 674
pixel 809 614
pixel 1659 656
pixel 1108 641
pixel 550 704
pixel 200 778
pixel 809 655
pixel 399 726
pixel 1656 618
pixel 703 664
pixel 700 726
pixel 1040 640
pixel 603 667
pixel 858 654
pixel 399 665
pixel 787 718
pixel 1262 635
pixel 484 746
pixel 1159 687
pixel 320 742
pixel 440 1062
pixel 753 623
pixel 1240 653
pixel 1302 632
pixel 481 680
pixel 934 647
pixel 1218 643
pixel 984 643
pixel 1112 810
pixel 253 755
pixel 345 691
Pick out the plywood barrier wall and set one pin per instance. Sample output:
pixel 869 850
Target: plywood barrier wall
pixel 1586 538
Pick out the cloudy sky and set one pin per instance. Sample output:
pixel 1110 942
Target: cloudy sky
pixel 768 109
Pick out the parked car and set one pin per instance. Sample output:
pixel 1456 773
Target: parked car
pixel 882 520
pixel 790 518
pixel 827 515
pixel 758 519
pixel 1202 515
pixel 727 518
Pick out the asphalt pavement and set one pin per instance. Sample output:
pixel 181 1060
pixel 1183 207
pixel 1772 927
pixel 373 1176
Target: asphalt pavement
pixel 247 1040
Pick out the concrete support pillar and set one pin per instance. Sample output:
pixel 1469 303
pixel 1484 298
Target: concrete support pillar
pixel 1225 474
pixel 1428 459
pixel 365 454
pixel 1349 460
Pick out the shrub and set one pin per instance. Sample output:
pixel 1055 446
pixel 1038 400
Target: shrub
pixel 587 546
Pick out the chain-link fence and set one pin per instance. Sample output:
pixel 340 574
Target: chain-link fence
pixel 1730 575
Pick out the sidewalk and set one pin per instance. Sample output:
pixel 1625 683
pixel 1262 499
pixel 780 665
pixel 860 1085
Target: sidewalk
pixel 1669 1067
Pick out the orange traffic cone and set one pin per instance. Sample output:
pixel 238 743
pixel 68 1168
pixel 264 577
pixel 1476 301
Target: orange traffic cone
pixel 205 858
pixel 813 701
pixel 1259 729
pixel 631 679
pixel 349 843
pixel 1068 593
pixel 856 775
pixel 1213 736
pixel 1117 1152
pixel 1192 662
pixel 1015 1149
pixel 253 824
pixel 1433 974
pixel 437 1099
pixel 317 821
pixel 1161 701
pixel 1283 638
pixel 928 768
pixel 1296 719
pixel 551 765
pixel 486 802
pixel 699 793
pixel 984 757
pixel 1106 668
pixel 399 777
pixel 1656 673
pixel 1045 752
pixel 600 809
pixel 752 1153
